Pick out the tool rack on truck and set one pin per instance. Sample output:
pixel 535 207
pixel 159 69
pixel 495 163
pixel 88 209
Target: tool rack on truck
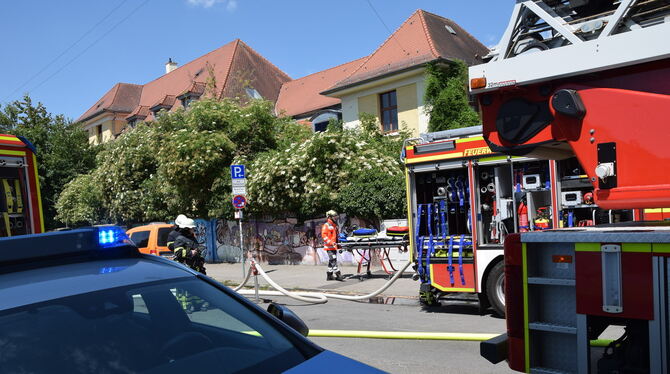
pixel 20 201
pixel 463 201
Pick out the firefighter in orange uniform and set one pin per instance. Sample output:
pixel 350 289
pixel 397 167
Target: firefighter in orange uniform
pixel 329 235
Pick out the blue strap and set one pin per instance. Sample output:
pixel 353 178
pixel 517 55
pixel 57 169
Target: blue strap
pixel 419 241
pixel 461 191
pixel 451 182
pixel 460 259
pixel 443 220
pixel 451 251
pixel 431 242
pixel 571 217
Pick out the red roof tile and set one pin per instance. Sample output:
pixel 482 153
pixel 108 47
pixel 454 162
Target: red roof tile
pixel 141 112
pixel 123 97
pixel 301 96
pixel 225 65
pixel 423 37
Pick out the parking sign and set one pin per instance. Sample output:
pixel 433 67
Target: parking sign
pixel 237 171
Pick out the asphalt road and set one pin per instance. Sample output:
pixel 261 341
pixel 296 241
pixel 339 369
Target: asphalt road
pixel 404 314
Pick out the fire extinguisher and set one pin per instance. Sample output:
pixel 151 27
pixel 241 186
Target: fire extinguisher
pixel 522 212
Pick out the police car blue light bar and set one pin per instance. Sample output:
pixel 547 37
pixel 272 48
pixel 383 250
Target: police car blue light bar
pixel 112 236
pixel 53 244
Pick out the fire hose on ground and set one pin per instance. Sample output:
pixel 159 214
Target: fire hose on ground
pixel 322 298
pixel 310 297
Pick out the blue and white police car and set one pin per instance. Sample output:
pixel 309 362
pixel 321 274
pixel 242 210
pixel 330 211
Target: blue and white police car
pixel 86 301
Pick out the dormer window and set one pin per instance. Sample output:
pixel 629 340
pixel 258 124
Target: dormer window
pixel 192 94
pixel 165 104
pixel 186 100
pixel 138 115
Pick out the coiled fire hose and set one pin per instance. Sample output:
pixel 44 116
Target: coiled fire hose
pixel 310 297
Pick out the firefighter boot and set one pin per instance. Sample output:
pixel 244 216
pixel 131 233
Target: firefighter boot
pixel 338 276
pixel 329 276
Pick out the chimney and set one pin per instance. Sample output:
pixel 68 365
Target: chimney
pixel 170 65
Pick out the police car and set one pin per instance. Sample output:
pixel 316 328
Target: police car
pixel 87 301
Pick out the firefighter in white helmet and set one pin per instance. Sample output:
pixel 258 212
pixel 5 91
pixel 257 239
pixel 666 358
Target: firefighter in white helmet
pixel 172 236
pixel 187 251
pixel 329 235
pixel 186 248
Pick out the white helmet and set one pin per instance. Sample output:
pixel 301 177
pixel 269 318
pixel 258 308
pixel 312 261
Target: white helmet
pixel 188 223
pixel 331 213
pixel 180 220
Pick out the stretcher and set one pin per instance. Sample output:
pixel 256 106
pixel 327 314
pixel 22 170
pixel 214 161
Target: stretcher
pixel 378 248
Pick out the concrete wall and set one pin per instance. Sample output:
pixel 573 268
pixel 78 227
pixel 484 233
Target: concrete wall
pixel 279 242
pixel 369 104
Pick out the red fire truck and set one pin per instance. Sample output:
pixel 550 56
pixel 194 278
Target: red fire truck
pixel 589 79
pixel 464 199
pixel 20 201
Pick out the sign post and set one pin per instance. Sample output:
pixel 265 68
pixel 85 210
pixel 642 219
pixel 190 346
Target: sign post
pixel 239 183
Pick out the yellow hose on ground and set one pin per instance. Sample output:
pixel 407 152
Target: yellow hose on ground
pixel 461 336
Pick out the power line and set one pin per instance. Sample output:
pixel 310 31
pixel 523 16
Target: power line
pixel 90 45
pixel 383 23
pixel 103 19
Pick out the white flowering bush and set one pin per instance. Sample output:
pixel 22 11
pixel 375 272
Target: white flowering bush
pixel 177 164
pixel 181 164
pixel 307 177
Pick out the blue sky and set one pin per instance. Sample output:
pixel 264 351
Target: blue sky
pixel 67 54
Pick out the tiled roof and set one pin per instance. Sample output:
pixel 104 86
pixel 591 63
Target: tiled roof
pixel 196 89
pixel 166 102
pixel 423 37
pixel 228 65
pixel 140 112
pixel 123 97
pixel 302 95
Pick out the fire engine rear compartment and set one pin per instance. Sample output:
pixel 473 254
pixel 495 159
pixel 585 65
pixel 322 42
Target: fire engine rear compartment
pixel 578 283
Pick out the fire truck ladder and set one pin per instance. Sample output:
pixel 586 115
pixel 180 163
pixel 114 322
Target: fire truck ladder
pixel 550 39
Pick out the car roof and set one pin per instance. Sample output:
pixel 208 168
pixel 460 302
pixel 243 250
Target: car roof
pixel 151 226
pixel 35 285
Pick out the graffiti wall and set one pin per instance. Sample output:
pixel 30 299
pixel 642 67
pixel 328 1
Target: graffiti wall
pixel 277 242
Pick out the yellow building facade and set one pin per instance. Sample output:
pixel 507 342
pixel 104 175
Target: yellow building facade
pixel 408 88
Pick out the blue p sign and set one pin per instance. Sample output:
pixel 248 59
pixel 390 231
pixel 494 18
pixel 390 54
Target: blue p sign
pixel 237 171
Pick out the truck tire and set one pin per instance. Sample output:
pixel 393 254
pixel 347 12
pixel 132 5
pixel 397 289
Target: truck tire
pixel 428 298
pixel 495 288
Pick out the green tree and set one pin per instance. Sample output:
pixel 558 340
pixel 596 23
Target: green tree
pixel 446 97
pixel 63 151
pixel 374 195
pixel 81 201
pixel 181 162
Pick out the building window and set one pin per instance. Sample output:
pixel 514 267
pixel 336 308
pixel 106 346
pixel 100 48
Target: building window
pixel 321 126
pixel 186 101
pixel 98 136
pixel 253 94
pixel 389 111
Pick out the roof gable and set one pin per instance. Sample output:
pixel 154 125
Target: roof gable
pixel 423 37
pixel 123 97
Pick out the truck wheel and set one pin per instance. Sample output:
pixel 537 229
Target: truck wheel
pixel 428 299
pixel 495 288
